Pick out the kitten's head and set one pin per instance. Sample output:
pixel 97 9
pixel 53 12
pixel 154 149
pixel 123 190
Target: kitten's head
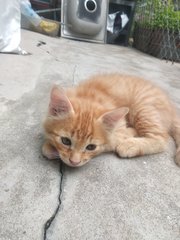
pixel 79 130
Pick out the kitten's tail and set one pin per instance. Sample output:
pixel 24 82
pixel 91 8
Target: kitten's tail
pixel 176 136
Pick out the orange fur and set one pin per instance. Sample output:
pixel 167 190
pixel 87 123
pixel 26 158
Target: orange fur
pixel 114 112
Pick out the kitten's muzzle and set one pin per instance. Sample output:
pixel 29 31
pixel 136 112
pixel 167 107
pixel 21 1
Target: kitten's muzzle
pixel 74 163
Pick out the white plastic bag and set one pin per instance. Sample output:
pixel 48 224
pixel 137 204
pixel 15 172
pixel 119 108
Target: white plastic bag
pixel 111 22
pixel 9 25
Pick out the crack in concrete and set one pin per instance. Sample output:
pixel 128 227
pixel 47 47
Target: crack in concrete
pixel 51 219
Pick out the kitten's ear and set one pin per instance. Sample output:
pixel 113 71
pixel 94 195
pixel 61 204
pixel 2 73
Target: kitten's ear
pixel 110 119
pixel 59 103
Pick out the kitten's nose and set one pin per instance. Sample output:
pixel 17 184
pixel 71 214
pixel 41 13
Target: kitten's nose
pixel 74 162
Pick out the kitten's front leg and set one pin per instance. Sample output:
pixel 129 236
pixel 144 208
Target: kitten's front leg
pixel 138 146
pixel 49 151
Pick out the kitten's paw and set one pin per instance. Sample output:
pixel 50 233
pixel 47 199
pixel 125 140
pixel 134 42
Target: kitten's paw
pixel 49 151
pixel 129 149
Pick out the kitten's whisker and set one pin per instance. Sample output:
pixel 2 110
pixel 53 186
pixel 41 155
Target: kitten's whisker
pixel 52 155
pixel 122 125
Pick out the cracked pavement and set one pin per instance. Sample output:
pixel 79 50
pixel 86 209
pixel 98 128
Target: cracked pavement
pixel 109 198
pixel 52 218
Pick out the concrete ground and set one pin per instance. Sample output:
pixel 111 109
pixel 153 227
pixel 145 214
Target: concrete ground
pixel 107 199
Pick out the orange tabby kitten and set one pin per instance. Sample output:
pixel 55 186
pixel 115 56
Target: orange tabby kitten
pixel 112 112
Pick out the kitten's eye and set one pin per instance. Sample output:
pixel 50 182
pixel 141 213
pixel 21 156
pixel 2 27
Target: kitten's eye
pixel 66 141
pixel 91 147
